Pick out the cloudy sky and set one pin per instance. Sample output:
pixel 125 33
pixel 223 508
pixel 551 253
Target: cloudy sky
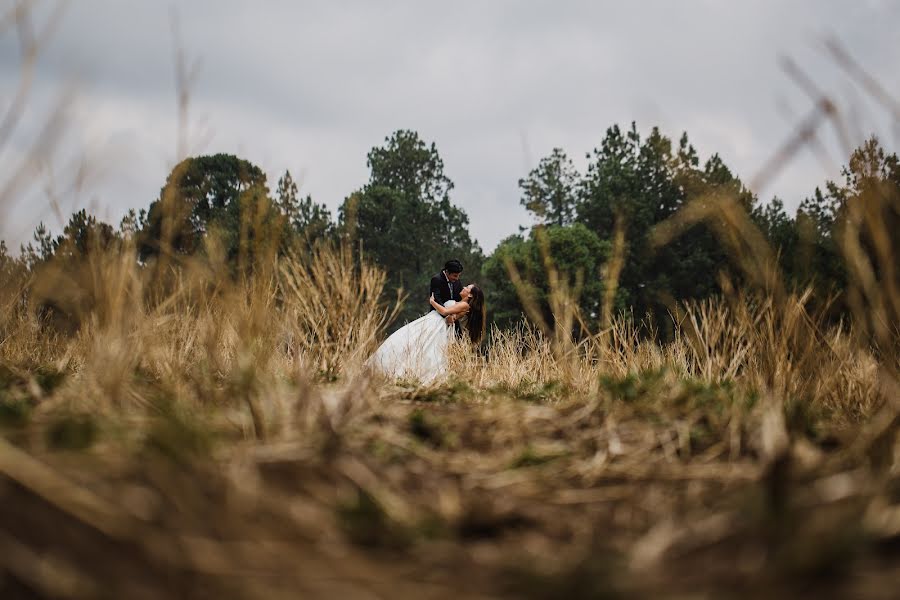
pixel 312 86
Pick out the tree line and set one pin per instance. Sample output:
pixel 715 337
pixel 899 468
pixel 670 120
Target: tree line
pixel 590 229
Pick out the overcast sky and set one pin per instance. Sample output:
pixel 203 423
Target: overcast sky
pixel 312 87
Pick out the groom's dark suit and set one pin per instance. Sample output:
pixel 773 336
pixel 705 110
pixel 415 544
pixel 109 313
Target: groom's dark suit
pixel 444 289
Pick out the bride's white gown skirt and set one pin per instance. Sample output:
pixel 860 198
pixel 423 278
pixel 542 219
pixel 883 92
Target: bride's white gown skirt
pixel 416 351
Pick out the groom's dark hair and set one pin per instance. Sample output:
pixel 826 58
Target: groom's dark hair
pixel 453 266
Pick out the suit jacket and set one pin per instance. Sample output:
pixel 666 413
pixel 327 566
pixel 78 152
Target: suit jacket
pixel 443 290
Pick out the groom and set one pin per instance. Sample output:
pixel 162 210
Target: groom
pixel 447 286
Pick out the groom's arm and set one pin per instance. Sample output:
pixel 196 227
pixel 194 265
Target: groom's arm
pixel 437 290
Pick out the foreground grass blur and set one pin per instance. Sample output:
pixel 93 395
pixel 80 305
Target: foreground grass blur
pixel 222 438
pixel 179 428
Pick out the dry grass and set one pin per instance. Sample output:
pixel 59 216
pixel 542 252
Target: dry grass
pixel 174 429
pixel 169 430
pixel 223 439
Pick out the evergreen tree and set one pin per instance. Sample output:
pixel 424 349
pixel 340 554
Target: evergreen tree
pixel 576 254
pixel 636 184
pixel 310 222
pixel 82 235
pixel 222 195
pixel 33 255
pixel 132 223
pixel 405 220
pixel 549 190
pixel 869 198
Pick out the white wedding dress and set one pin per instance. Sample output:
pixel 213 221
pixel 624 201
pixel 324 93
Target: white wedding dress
pixel 416 351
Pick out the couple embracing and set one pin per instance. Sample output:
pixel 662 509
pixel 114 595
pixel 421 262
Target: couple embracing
pixel 418 350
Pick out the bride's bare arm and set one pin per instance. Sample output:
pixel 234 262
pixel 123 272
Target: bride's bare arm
pixel 459 307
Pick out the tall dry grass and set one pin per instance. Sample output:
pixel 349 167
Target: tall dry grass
pixel 212 341
pixel 320 318
pixel 175 429
pixel 228 400
pixel 210 399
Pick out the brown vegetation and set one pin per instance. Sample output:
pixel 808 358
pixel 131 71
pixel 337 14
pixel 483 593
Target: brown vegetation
pixel 223 439
pixel 174 429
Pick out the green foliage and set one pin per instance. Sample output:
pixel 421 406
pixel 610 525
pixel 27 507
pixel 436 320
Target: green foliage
pixel 527 390
pixel 406 223
pixel 83 234
pixel 310 222
pixel 133 223
pixel 405 220
pixel 501 297
pixel 448 393
pixel 250 229
pixel 806 245
pixel 220 192
pixel 662 396
pixel 574 252
pixel 809 244
pixel 776 225
pixel 32 255
pixel 871 193
pixel 7 262
pixel 650 386
pixel 13 272
pixel 817 259
pixel 637 184
pixel 549 191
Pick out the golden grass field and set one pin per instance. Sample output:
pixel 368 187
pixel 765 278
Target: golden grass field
pixel 193 436
pixel 172 431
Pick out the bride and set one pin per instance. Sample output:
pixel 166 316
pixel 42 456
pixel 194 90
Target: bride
pixel 418 350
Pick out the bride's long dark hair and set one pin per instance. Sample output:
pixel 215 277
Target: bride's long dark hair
pixel 475 322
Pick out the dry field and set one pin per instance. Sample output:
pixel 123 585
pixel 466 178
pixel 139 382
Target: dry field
pixel 170 431
pixel 168 434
